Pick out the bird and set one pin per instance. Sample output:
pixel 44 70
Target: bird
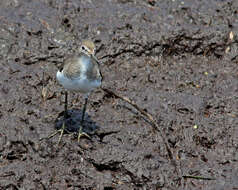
pixel 79 73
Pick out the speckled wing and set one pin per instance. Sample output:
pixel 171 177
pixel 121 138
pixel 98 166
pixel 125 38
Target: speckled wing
pixel 82 65
pixel 72 67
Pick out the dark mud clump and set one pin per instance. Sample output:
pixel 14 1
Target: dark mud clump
pixel 177 60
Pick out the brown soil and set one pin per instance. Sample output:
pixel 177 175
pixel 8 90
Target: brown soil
pixel 177 60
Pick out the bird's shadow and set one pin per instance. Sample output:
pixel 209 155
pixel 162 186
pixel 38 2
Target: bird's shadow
pixel 73 122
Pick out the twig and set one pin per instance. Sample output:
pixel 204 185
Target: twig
pixel 198 177
pixel 153 123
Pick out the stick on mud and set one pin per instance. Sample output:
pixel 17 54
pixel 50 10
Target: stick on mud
pixel 153 122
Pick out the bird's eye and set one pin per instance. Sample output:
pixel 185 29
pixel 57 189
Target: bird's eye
pixel 83 48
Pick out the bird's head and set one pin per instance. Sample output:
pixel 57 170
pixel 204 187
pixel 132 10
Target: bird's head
pixel 88 47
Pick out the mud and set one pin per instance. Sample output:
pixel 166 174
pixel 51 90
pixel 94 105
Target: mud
pixel 177 60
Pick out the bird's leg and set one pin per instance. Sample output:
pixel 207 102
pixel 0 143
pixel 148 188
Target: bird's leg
pixel 61 131
pixel 65 116
pixel 84 109
pixel 81 133
pixel 66 105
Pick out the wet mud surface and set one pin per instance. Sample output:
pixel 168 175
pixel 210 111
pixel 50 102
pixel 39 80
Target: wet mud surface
pixel 177 60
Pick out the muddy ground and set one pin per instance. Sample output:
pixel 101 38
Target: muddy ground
pixel 176 60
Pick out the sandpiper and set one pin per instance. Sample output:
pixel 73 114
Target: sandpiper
pixel 79 73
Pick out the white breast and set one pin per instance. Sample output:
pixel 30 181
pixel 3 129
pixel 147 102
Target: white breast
pixel 80 84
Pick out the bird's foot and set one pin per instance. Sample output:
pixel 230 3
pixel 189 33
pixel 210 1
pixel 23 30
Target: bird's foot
pixel 61 131
pixel 81 133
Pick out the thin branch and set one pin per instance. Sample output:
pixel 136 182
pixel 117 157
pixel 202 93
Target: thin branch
pixel 153 123
pixel 198 177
